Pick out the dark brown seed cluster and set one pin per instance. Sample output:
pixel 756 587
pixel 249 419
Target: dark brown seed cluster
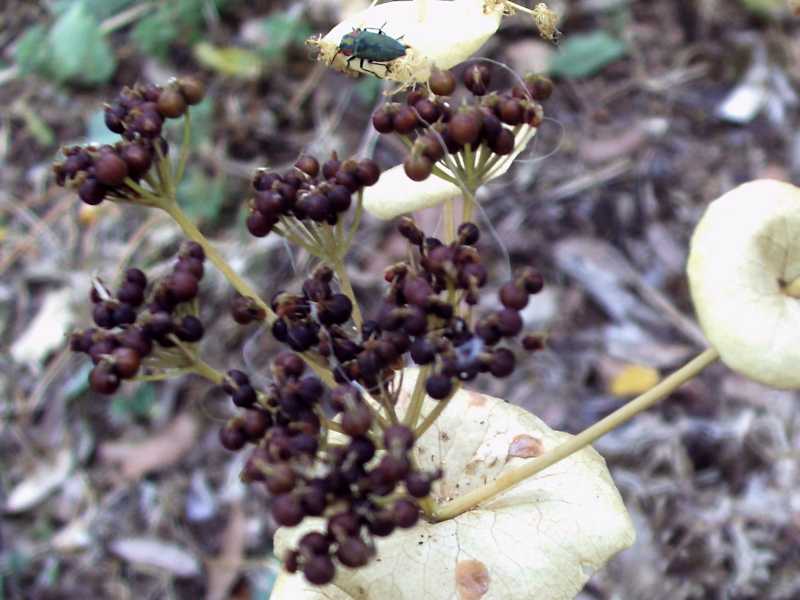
pixel 418 319
pixel 343 484
pixel 421 301
pixel 438 129
pixel 128 327
pixel 308 192
pixel 138 115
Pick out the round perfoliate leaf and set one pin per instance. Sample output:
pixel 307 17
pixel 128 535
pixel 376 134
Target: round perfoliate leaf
pixel 439 33
pixel 396 194
pixel 744 256
pixel 539 540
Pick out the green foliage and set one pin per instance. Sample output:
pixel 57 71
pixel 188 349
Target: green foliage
pixel 101 9
pixel 73 50
pixel 139 404
pixel 229 60
pixel 282 31
pixel 174 20
pixel 585 54
pixel 201 196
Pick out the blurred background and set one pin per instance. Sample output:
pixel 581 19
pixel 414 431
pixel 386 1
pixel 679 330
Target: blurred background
pixel 659 107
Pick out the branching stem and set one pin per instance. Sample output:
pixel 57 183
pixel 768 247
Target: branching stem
pixel 511 478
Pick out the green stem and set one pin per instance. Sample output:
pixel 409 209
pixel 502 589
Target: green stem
pixel 344 282
pixel 431 417
pixel 192 232
pixel 417 398
pixel 184 155
pixel 511 478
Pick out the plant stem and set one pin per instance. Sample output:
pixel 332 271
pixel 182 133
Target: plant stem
pixel 203 369
pixel 344 281
pixel 193 233
pixel 513 477
pixel 431 417
pixel 449 214
pixel 417 398
pixel 184 156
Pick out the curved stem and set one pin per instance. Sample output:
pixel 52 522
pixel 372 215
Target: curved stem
pixel 511 478
pixel 193 233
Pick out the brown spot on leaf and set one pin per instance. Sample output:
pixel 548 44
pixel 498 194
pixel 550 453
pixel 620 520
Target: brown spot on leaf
pixel 472 579
pixel 476 399
pixel 525 446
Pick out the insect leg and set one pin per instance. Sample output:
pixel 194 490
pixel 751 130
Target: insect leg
pixel 363 68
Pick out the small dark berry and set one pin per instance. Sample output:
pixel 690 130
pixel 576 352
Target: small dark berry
pixel 383 121
pixel 406 513
pixel 423 352
pixel 509 322
pixel 398 438
pixel 513 296
pixel 171 103
pixel 511 111
pixel 468 234
pixel 110 169
pixel 533 342
pixel 353 552
pixel 465 126
pixel 286 510
pixel 244 396
pixel 308 165
pixel 503 144
pixel 92 192
pixel 281 479
pixel 477 78
pixel 319 570
pixel 405 120
pixel 189 329
pixel 192 89
pixel 331 167
pixel 502 362
pixel 356 420
pixel 532 280
pixel 182 285
pixel 138 158
pixel 368 172
pixel 103 379
pixel 418 168
pixel 259 225
pixel 438 386
pixel 126 362
pixel 442 83
pixel 418 485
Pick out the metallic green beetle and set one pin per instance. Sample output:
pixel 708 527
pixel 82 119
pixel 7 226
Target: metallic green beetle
pixel 370 44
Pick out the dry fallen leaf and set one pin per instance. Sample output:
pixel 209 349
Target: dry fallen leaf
pixel 152 552
pixel 540 540
pixel 632 380
pixel 41 482
pixel 47 330
pixel 160 451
